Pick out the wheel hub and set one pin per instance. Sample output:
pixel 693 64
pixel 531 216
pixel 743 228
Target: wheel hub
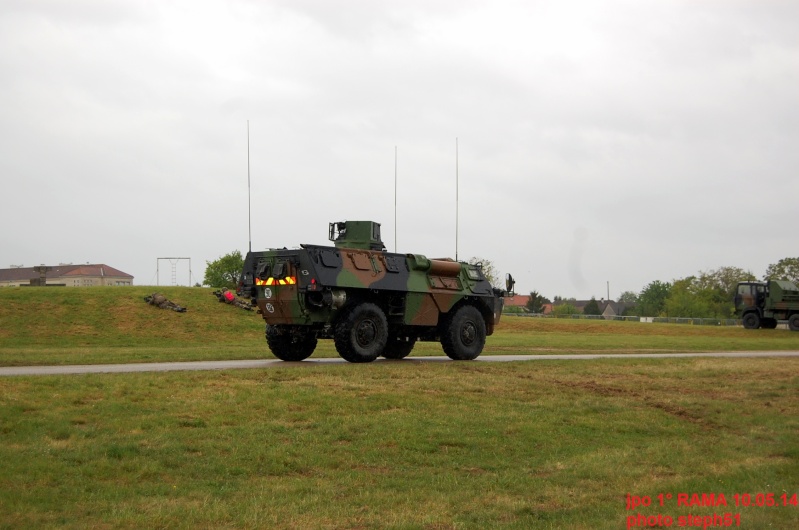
pixel 365 332
pixel 468 333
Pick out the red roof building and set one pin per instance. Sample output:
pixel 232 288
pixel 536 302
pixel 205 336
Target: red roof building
pixel 67 275
pixel 520 300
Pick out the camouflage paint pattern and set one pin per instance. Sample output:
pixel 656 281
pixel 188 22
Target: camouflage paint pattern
pixel 309 286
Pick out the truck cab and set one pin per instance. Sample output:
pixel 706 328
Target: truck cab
pixel 750 295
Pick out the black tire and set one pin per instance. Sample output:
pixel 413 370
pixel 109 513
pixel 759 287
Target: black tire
pixel 398 346
pixel 768 323
pixel 464 334
pixel 793 322
pixel 751 321
pixel 361 333
pixel 290 343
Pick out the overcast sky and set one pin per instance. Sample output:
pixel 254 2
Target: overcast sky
pixel 614 141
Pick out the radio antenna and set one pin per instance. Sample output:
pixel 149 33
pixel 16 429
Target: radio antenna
pixel 395 198
pixel 249 200
pixel 456 198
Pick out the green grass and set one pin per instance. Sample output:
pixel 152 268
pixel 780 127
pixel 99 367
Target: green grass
pixel 532 335
pixel 115 325
pixel 432 446
pixel 118 317
pixel 548 444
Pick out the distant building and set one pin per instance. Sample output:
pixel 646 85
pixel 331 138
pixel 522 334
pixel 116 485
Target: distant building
pixel 521 300
pixel 68 275
pixel 611 309
pixel 607 308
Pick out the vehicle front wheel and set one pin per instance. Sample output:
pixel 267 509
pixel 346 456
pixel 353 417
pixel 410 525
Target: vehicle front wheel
pixel 464 334
pixel 361 333
pixel 751 321
pixel 793 322
pixel 290 343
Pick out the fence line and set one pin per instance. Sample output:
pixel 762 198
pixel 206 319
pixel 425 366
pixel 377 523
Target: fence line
pixel 662 320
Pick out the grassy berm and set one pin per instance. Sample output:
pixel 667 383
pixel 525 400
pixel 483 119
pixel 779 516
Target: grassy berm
pixel 398 445
pixel 114 325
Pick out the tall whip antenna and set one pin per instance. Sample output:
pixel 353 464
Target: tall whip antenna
pixel 395 198
pixel 456 199
pixel 249 201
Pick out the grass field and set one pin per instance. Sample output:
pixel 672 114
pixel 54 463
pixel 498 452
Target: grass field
pixel 545 444
pixel 109 325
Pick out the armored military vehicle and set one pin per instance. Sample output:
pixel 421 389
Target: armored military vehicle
pixel 369 301
pixel 762 304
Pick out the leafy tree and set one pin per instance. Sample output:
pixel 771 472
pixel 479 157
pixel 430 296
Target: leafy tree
pixel 225 271
pixel 559 300
pixel 489 271
pixel 685 300
pixel 652 300
pixel 709 295
pixel 718 288
pixel 724 280
pixel 536 302
pixel 628 297
pixel 592 307
pixel 629 300
pixel 784 269
pixel 564 309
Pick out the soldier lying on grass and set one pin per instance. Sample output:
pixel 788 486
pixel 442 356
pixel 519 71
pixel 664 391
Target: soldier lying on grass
pixel 161 301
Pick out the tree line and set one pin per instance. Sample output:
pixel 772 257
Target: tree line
pixel 709 294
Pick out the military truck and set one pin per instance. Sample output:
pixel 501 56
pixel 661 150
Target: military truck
pixel 369 301
pixel 763 304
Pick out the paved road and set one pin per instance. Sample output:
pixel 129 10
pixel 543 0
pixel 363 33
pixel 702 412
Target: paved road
pixel 274 363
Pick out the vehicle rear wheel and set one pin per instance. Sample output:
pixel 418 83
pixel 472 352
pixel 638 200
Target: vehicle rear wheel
pixel 361 333
pixel 464 334
pixel 793 322
pixel 290 343
pixel 398 346
pixel 751 321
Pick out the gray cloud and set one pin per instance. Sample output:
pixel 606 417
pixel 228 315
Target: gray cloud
pixel 663 134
